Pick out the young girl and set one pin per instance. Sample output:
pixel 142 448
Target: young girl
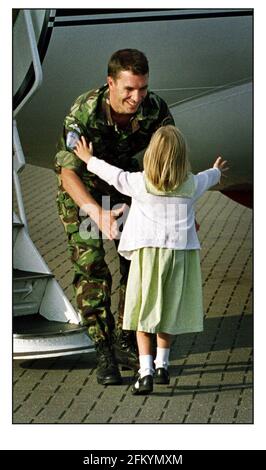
pixel 164 291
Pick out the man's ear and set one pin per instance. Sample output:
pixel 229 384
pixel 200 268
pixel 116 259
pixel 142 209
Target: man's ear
pixel 110 82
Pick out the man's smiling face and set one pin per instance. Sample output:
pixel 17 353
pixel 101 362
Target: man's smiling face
pixel 127 91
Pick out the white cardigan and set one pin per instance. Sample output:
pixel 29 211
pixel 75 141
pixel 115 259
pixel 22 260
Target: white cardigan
pixel 156 218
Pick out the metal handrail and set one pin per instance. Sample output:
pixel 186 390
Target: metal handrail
pixel 18 165
pixel 35 60
pixel 19 159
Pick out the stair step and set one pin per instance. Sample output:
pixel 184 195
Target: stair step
pixel 37 326
pixel 24 307
pixel 36 337
pixel 19 275
pixel 18 224
pixel 28 291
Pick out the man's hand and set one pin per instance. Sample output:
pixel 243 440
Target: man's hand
pixel 107 222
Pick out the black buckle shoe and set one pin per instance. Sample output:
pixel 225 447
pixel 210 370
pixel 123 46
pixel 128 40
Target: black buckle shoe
pixel 161 376
pixel 125 349
pixel 107 369
pixel 143 386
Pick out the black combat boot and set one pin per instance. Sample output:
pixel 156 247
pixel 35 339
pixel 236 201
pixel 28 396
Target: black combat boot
pixel 107 369
pixel 125 349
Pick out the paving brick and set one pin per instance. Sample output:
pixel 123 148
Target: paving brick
pixel 225 407
pixel 201 407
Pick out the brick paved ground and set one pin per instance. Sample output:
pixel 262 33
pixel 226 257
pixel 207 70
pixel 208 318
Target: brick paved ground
pixel 211 372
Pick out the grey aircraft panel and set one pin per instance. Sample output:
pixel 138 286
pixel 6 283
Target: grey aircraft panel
pixel 194 61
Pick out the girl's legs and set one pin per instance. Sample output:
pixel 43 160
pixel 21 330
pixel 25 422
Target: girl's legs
pixel 162 359
pixel 144 341
pixel 164 340
pixel 163 349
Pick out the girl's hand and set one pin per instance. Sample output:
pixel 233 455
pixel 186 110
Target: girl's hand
pixel 221 164
pixel 82 151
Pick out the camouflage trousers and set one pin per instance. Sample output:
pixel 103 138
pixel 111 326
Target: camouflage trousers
pixel 92 279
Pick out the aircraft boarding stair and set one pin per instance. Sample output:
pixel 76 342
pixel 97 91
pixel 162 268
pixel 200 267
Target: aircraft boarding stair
pixel 45 324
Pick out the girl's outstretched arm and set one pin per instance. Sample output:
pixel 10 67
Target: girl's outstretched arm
pixel 125 182
pixel 83 151
pixel 221 164
pixel 208 178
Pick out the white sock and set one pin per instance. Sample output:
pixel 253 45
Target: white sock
pixel 162 358
pixel 146 365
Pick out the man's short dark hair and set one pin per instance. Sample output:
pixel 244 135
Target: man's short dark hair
pixel 128 59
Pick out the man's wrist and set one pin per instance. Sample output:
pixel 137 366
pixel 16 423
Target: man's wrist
pixel 92 209
pixel 95 212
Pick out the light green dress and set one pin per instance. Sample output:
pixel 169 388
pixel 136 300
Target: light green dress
pixel 164 292
pixel 164 289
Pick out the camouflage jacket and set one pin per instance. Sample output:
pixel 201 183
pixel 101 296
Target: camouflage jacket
pixel 90 116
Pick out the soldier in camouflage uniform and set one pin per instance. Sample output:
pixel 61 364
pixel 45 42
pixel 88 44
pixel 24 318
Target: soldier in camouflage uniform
pixel 119 119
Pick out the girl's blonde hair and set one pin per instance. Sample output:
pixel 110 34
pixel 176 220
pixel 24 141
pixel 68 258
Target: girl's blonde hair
pixel 165 161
